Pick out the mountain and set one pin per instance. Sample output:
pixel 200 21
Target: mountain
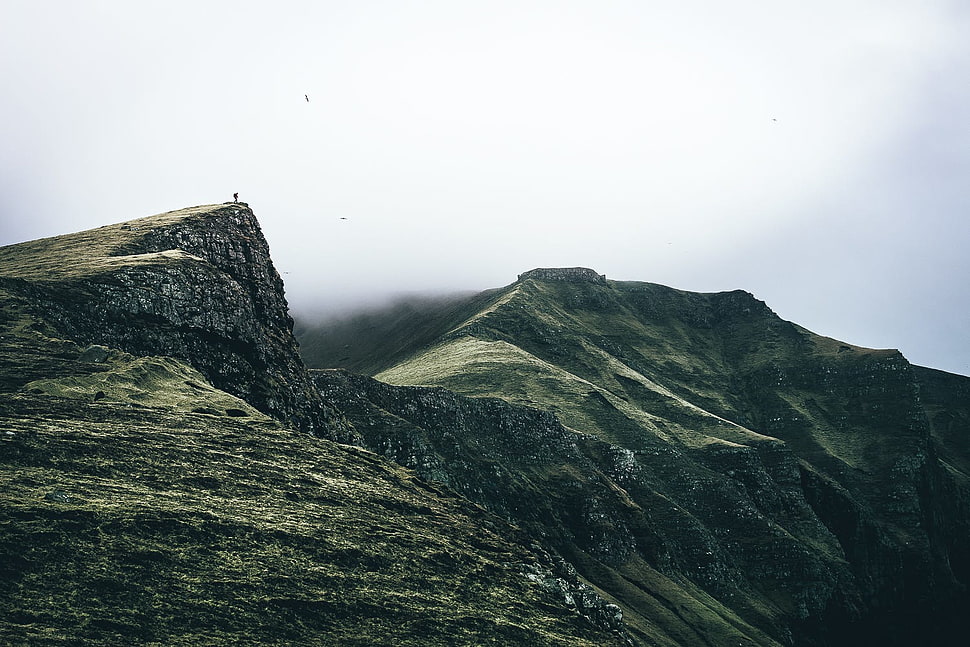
pixel 722 475
pixel 566 460
pixel 170 473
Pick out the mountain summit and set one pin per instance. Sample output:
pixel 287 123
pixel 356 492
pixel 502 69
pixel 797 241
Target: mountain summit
pixel 564 274
pixel 197 284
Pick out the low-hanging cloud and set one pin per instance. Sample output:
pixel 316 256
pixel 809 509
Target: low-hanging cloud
pixel 812 154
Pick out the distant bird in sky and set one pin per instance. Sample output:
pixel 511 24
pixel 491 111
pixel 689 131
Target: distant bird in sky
pixel 343 218
pixel 307 98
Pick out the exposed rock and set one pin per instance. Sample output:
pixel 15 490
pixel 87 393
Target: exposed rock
pixel 196 284
pixel 577 595
pixel 94 353
pixel 569 274
pixel 59 496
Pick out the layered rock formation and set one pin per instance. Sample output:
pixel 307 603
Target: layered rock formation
pixel 196 284
pixel 564 274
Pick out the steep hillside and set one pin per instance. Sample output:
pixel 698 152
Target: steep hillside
pixel 197 284
pixel 814 490
pixel 143 504
pixel 587 502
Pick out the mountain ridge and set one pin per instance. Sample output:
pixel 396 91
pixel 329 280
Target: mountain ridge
pixel 828 442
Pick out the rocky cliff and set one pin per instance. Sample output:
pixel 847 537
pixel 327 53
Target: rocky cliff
pixel 196 284
pixel 564 274
pixel 590 504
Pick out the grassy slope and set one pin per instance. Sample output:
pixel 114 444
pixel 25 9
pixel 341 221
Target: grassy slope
pixel 142 505
pixel 528 349
pixel 155 525
pixel 370 341
pixel 617 362
pixel 638 364
pixel 90 252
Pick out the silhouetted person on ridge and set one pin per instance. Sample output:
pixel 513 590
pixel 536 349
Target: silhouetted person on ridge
pixel 235 197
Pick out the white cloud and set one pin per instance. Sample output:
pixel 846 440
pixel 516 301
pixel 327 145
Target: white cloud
pixel 700 144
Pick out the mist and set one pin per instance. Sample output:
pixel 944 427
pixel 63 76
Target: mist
pixel 814 155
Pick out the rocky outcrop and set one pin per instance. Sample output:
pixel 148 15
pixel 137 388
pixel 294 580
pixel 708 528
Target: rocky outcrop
pixel 569 274
pixel 196 284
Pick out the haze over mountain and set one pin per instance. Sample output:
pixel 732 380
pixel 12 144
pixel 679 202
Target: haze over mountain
pixel 813 154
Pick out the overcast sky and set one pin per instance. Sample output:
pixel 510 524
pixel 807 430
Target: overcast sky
pixel 816 154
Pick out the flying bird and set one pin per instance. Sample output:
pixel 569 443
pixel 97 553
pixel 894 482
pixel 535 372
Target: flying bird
pixel 307 98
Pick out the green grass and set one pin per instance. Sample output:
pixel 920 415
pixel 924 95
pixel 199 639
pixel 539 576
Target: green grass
pixel 631 361
pixel 148 382
pixel 731 414
pixel 585 386
pixel 151 525
pixel 93 251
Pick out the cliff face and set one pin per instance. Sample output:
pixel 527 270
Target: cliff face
pixel 196 284
pixel 814 490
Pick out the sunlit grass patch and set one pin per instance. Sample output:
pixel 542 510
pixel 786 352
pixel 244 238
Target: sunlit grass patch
pixel 150 382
